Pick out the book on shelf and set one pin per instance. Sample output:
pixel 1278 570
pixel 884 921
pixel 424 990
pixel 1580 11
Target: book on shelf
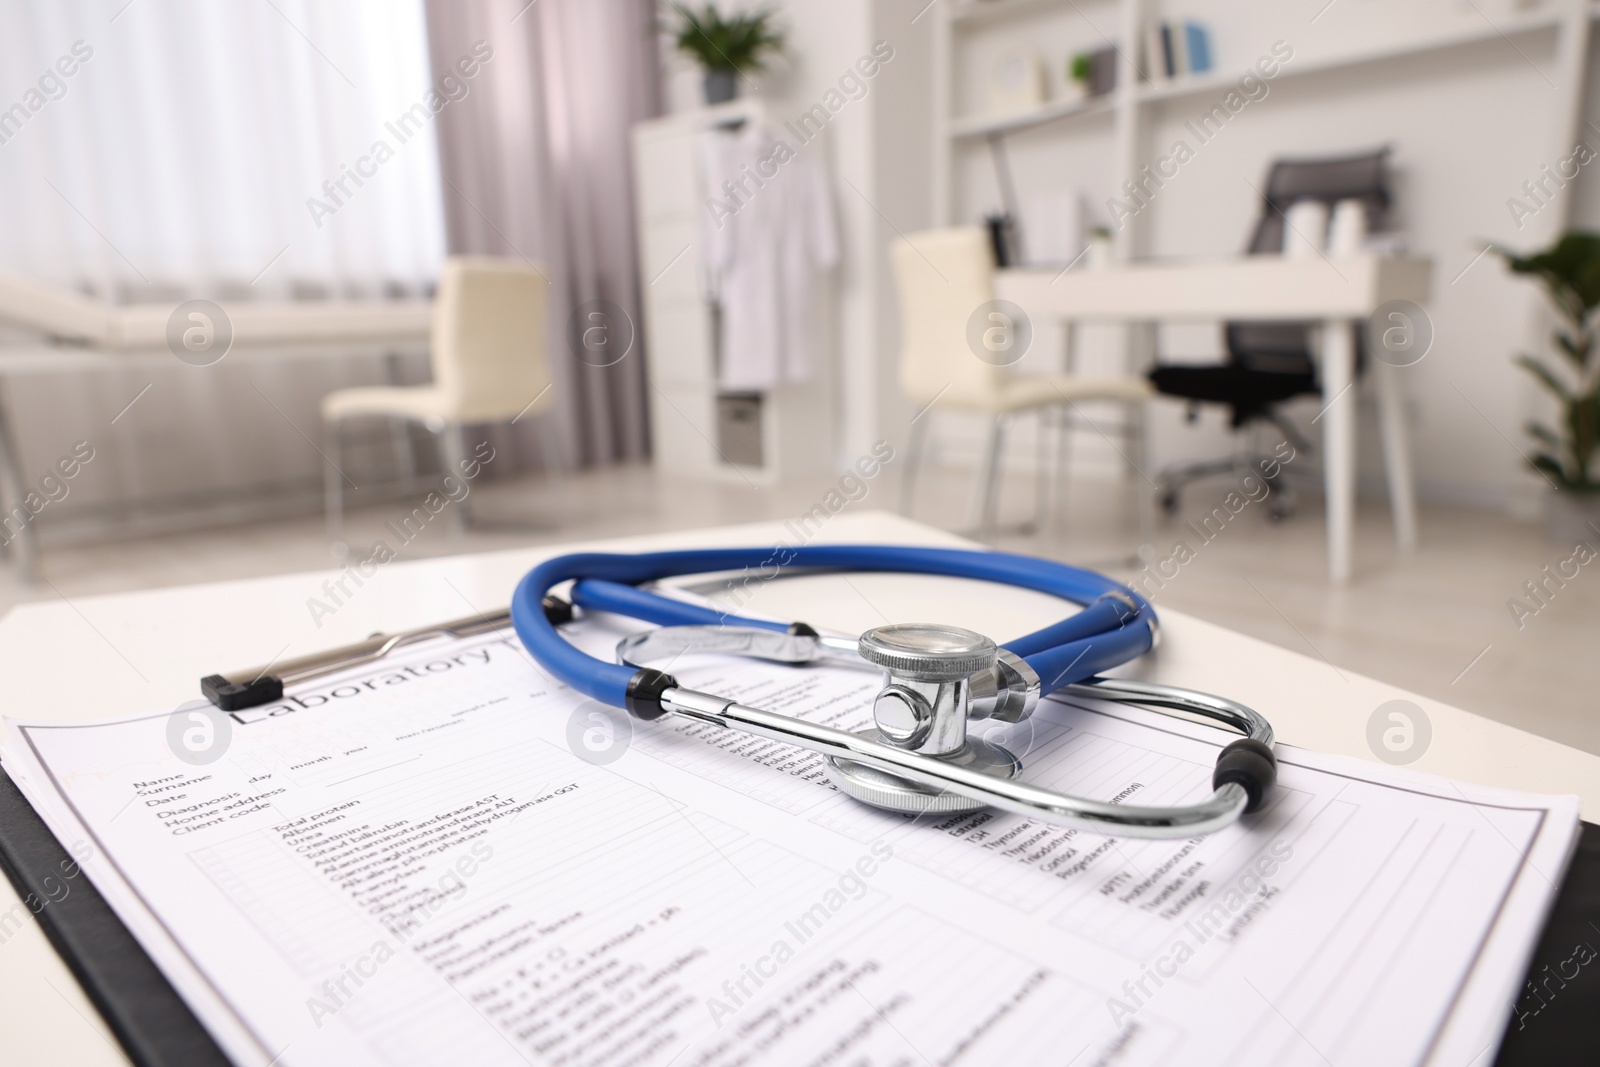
pixel 1175 50
pixel 1152 62
pixel 1198 42
pixel 1102 71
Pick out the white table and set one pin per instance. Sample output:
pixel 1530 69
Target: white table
pixel 114 655
pixel 1338 293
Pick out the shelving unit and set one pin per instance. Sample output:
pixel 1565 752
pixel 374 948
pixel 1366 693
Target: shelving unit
pixel 961 129
pixel 991 11
pixel 1146 92
pixel 1130 100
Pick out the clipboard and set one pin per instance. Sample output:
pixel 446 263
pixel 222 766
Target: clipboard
pixel 151 1022
pixel 156 1028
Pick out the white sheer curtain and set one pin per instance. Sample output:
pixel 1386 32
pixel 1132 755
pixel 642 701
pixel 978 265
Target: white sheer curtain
pixel 178 159
pixel 183 152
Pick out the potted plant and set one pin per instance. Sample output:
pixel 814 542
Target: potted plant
pixel 726 47
pixel 1099 257
pixel 1569 270
pixel 1080 68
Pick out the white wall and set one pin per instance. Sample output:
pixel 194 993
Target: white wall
pixel 1468 124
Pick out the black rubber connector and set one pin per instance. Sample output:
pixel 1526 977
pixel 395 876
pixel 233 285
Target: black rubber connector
pixel 1249 763
pixel 558 611
pixel 644 693
pixel 231 696
pixel 802 629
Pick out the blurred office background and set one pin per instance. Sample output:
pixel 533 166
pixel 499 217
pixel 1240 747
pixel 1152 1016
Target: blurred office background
pixel 723 328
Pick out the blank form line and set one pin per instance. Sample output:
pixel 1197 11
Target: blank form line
pixel 702 833
pixel 879 1012
pixel 1291 1025
pixel 1522 853
pixel 376 770
pixel 1411 928
pixel 1333 932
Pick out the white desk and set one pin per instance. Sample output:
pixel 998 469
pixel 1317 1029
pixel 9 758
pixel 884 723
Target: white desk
pixel 1339 293
pixel 58 664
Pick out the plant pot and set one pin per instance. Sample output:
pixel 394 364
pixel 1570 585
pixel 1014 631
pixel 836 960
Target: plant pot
pixel 1574 517
pixel 1099 256
pixel 721 86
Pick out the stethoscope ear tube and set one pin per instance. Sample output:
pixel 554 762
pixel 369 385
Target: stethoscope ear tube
pixel 1115 626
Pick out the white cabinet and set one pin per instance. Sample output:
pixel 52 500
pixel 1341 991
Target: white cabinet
pixel 796 423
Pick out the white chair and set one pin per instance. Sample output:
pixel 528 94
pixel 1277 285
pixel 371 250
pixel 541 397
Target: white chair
pixel 489 365
pixel 945 277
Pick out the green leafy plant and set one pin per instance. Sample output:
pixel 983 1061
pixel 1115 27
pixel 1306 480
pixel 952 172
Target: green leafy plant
pixel 1081 66
pixel 738 43
pixel 1569 270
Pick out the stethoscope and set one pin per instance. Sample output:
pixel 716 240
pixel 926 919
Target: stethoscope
pixel 919 756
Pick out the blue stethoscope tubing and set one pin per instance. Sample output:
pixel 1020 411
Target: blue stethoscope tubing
pixel 1106 633
pixel 1114 626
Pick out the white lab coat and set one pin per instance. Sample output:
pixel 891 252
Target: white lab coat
pixel 769 238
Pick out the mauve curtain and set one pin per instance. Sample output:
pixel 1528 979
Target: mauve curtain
pixel 540 168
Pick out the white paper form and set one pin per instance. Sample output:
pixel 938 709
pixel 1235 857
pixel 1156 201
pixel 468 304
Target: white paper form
pixel 448 858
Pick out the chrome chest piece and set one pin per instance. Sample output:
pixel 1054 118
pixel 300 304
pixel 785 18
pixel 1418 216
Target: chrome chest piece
pixel 936 679
pixel 919 757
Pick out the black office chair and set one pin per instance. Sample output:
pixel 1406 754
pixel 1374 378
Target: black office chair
pixel 1270 363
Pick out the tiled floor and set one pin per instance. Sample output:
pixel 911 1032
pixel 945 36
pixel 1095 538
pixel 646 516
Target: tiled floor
pixel 1437 622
